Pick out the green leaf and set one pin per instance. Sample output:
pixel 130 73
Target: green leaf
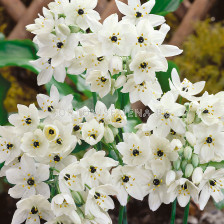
pixel 163 7
pixel 81 147
pixel 81 85
pixel 163 77
pixel 17 53
pixel 132 121
pixel 64 89
pixel 217 165
pixel 4 87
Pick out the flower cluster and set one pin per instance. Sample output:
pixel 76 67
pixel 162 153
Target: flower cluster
pixel 169 157
pixel 116 53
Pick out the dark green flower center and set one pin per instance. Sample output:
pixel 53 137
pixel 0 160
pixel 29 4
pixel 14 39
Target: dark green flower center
pixel 166 115
pixel 135 152
pixel 92 169
pixel 28 120
pixel 80 12
pixel 31 181
pixel 156 182
pixel 125 179
pixel 209 140
pixel 60 45
pixel 141 39
pixel 138 14
pixel 114 39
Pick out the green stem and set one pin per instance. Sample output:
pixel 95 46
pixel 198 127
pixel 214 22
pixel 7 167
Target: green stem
pixel 173 213
pixel 186 212
pixel 125 220
pixel 121 214
pixel 94 99
pixel 98 145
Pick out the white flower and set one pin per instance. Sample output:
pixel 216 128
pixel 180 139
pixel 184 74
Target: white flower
pixel 70 178
pixel 9 144
pixel 92 132
pixel 63 204
pixel 211 185
pixel 145 91
pixel 166 116
pixel 98 200
pixel 183 190
pixel 157 189
pixel 43 24
pixel 60 48
pixel 197 175
pixel 145 64
pixel 14 164
pixel 65 141
pixel 54 108
pixel 116 65
pixel 81 13
pixel 186 89
pixel 32 209
pixel 65 219
pixel 210 109
pixel 135 12
pixel 134 150
pixel 57 6
pixel 47 71
pixel 29 179
pixel 118 118
pixel 101 114
pixel 140 131
pixel 100 82
pixel 77 121
pixel 57 160
pixel 117 37
pixel 209 142
pixel 161 154
pixel 129 180
pixel 27 118
pixel 34 144
pixel 95 168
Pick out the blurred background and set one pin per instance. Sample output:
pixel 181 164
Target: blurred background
pixel 196 26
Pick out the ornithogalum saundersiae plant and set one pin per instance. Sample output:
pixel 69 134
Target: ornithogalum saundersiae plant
pixel 169 158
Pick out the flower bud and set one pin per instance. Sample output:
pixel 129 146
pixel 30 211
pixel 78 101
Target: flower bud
pixel 197 175
pixel 108 135
pixel 195 160
pixel 193 106
pixel 120 81
pixel 116 65
pixel 114 130
pixel 188 170
pixel 183 165
pixel 190 138
pixel 190 117
pixel 170 177
pixel 74 29
pixel 64 29
pixel 176 164
pixel 187 152
pixel 77 197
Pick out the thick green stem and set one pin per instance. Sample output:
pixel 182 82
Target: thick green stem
pixel 173 213
pixel 186 212
pixel 125 220
pixel 121 214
